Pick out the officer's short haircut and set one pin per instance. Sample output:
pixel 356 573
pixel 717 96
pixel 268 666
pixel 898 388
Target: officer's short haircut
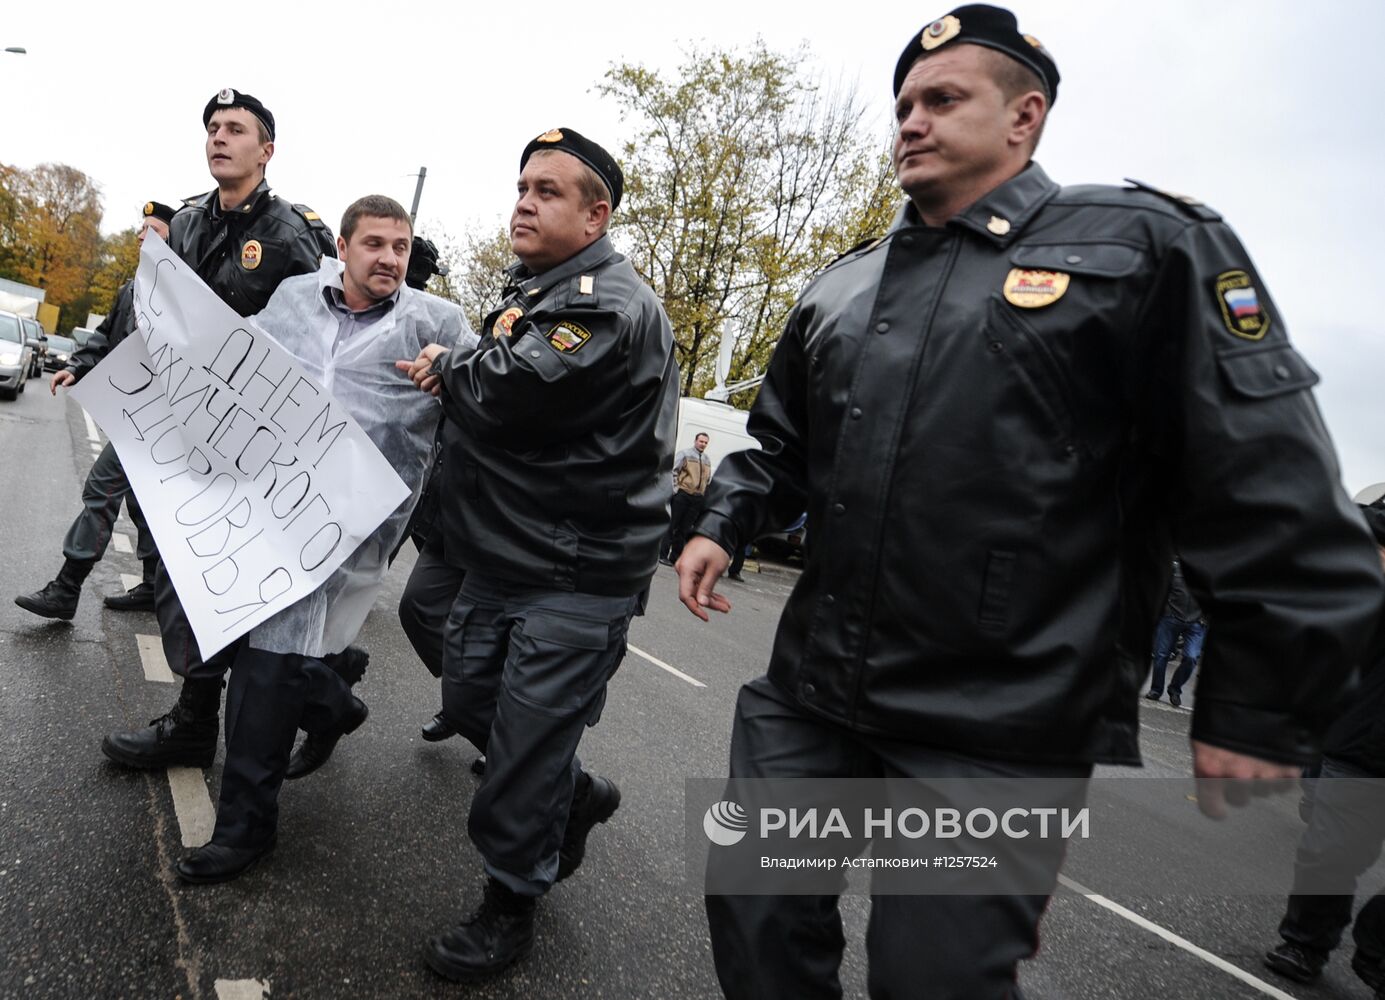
pixel 589 183
pixel 1014 78
pixel 376 206
pixel 262 132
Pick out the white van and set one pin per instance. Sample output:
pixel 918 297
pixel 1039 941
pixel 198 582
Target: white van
pixel 723 424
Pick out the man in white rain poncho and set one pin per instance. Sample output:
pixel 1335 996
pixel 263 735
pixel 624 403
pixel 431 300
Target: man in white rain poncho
pixel 346 325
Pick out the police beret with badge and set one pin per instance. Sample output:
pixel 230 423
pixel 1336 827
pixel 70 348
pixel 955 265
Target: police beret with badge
pixel 158 210
pixel 578 145
pixel 981 24
pixel 230 98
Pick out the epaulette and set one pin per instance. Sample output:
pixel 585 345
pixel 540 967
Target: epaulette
pixel 865 244
pixel 196 200
pixel 310 217
pixel 1186 202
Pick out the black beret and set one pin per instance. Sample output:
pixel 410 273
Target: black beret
pixel 981 24
pixel 158 210
pixel 585 150
pixel 423 263
pixel 229 98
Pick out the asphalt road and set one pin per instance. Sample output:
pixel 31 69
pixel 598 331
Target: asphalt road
pixel 373 856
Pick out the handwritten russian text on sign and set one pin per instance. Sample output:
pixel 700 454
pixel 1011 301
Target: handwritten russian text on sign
pixel 256 483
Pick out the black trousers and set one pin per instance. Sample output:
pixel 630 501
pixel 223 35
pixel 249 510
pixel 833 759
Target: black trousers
pixel 684 510
pixel 790 947
pixel 105 487
pixel 179 642
pixel 524 674
pixel 427 600
pixel 1345 830
pixel 269 698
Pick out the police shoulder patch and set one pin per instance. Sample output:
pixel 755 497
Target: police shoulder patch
pixel 866 244
pixel 310 217
pixel 1185 202
pixel 1241 311
pixel 568 337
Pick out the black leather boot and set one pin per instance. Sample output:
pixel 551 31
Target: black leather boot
pixel 58 599
pixel 140 597
pixel 437 729
pixel 184 737
pixel 313 752
pixel 594 801
pixel 498 934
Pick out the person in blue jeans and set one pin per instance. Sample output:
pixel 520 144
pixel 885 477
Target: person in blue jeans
pixel 1182 617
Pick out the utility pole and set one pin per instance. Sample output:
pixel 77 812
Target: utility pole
pixel 418 193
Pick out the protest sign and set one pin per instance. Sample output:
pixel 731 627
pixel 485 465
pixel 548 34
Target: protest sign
pixel 255 481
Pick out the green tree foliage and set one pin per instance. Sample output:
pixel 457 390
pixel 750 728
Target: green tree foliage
pixel 50 220
pixel 119 261
pixel 476 275
pixel 745 176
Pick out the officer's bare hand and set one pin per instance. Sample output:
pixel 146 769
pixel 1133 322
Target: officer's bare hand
pixel 1225 777
pixel 417 369
pixel 699 567
pixel 61 379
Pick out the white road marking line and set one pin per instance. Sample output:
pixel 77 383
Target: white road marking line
pixel 1174 939
pixel 121 542
pixel 193 804
pixel 241 989
pixel 92 433
pixel 151 655
pixel 129 581
pixel 664 666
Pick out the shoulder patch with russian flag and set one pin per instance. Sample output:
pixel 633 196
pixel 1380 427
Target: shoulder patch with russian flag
pixel 1241 311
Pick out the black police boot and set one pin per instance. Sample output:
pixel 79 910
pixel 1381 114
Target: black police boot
pixel 1294 961
pixel 58 599
pixel 498 934
pixel 313 752
pixel 140 597
pixel 594 801
pixel 437 729
pixel 219 863
pixel 184 737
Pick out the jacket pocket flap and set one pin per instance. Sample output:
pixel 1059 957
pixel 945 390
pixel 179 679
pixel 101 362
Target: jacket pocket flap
pixel 1262 372
pixel 1105 260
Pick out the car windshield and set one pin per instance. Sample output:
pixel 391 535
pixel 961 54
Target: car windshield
pixel 9 329
pixel 56 343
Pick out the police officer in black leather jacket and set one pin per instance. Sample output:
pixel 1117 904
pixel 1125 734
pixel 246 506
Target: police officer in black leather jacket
pixel 242 240
pixel 106 485
pixel 983 412
pixel 559 437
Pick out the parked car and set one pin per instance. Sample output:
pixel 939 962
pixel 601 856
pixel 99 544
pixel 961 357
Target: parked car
pixel 787 543
pixel 38 340
pixel 80 334
pixel 16 356
pixel 60 350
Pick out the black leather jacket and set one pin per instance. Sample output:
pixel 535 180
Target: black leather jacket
pixel 995 490
pixel 244 254
pixel 559 432
pixel 111 331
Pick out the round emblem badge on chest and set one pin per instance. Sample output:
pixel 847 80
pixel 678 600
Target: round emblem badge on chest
pixel 251 255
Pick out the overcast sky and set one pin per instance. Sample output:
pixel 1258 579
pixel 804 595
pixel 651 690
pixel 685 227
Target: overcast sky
pixel 1268 110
